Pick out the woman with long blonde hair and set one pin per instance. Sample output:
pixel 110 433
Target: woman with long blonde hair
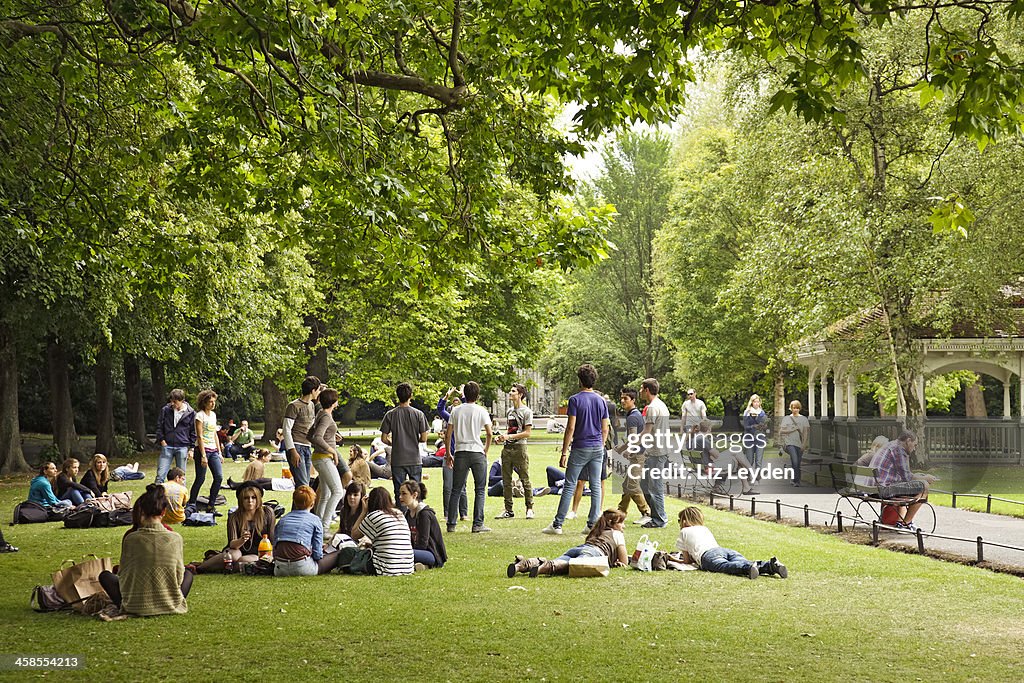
pixel 97 476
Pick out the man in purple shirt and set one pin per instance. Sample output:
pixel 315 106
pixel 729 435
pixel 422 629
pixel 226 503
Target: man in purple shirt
pixel 895 480
pixel 586 432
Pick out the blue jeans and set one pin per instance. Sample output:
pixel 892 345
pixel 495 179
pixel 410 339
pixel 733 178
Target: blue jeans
pixel 796 454
pixel 304 567
pixel 177 454
pixel 216 465
pixel 303 471
pixel 424 557
pixel 464 462
pixel 75 496
pixel 755 456
pixel 725 561
pixel 400 473
pixel 447 474
pixel 654 489
pixel 580 551
pixel 588 460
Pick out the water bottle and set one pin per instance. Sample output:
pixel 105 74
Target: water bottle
pixel 229 565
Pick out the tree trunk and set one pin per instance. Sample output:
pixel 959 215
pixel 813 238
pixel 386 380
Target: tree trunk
pixel 316 346
pixel 274 401
pixel 157 377
pixel 12 458
pixel 349 410
pixel 62 414
pixel 779 403
pixel 105 405
pixel 975 400
pixel 133 397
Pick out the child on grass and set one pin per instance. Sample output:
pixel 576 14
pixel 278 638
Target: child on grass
pixel 606 539
pixel 699 546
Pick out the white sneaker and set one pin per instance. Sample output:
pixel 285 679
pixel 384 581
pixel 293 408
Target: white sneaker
pixel 643 520
pixel 571 514
pixel 552 530
pixel 529 513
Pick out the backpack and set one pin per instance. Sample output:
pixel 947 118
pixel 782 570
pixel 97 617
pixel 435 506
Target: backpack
pixel 275 506
pixel 30 513
pixel 85 517
pixel 119 518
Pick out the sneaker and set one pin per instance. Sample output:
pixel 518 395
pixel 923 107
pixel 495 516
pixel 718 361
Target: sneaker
pixel 552 530
pixel 910 526
pixel 481 529
pixel 751 492
pixel 778 568
pixel 586 530
pixel 420 567
pixel 643 520
pixel 652 525
pixel 451 528
pixel 571 514
pixel 8 548
pixel 464 518
pixel 753 573
pixel 544 491
pixel 507 514
pixel 529 513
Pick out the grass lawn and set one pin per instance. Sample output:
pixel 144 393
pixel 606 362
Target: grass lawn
pixel 1004 481
pixel 847 612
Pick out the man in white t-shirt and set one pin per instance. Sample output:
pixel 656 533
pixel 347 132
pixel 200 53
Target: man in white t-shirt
pixel 466 423
pixel 656 424
pixel 694 411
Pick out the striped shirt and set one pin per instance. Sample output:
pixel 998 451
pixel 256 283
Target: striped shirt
pixel 392 543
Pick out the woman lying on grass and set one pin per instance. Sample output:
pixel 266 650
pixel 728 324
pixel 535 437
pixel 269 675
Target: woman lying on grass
pixel 699 547
pixel 151 578
pixel 606 539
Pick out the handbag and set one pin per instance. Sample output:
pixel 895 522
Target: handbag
pixel 356 561
pixel 47 599
pixel 81 579
pixel 588 566
pixel 644 554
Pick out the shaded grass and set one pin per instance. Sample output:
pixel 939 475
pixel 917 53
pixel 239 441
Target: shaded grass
pixel 847 613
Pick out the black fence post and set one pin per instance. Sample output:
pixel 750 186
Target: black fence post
pixel 981 550
pixel 807 515
pixel 711 498
pixel 874 531
pixel 839 520
pixel 988 505
pixel 732 502
pixel 753 505
pixel 920 541
pixel 954 499
pixel 778 509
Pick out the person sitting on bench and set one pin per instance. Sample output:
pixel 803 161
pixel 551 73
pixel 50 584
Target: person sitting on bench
pixel 895 480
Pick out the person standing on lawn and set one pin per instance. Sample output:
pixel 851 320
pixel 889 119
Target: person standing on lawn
pixel 175 432
pixel 470 453
pixel 208 453
pixel 631 490
pixel 586 432
pixel 513 454
pixel 656 424
pixel 298 418
pixel 404 428
pixel 694 410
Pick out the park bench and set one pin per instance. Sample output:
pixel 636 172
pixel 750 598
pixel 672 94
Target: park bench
pixel 858 488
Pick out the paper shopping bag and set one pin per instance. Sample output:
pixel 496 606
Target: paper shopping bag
pixel 80 580
pixel 588 566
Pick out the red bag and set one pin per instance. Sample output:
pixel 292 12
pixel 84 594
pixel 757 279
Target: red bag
pixel 890 515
